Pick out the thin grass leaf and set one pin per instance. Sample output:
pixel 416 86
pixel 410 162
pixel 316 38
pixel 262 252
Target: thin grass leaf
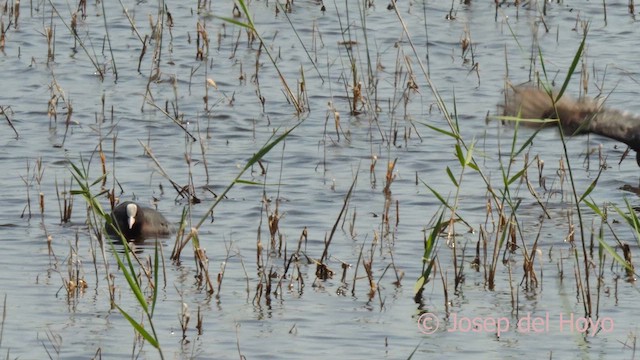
pixel 262 152
pixel 437 129
pixel 474 166
pixel 249 182
pixel 442 131
pixel 515 177
pixel 469 157
pixel 544 69
pixel 513 34
pixel 304 47
pixel 414 350
pixel 594 208
pixel 437 195
pixel 528 142
pixel 452 178
pixel 460 155
pixel 526 121
pixel 420 283
pixel 144 333
pixel 574 64
pixel 455 113
pixel 632 219
pixel 80 42
pixel 251 26
pixel 428 255
pixel 245 10
pixel 614 253
pixel 271 142
pixel 589 189
pixel 131 280
pixel 156 277
pixel 236 22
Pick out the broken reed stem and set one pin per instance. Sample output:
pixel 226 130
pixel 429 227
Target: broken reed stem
pixel 335 225
pixel 203 152
pixel 27 184
pixel 250 26
pixel 156 60
pixel 106 31
pixel 75 35
pixel 175 120
pixel 6 111
pixel 65 201
pixel 223 268
pixel 148 152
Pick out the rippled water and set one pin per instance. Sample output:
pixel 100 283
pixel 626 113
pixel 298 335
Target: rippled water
pixel 308 176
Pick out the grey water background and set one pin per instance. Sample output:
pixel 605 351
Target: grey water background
pixel 314 167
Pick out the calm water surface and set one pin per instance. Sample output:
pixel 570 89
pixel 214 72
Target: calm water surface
pixel 308 175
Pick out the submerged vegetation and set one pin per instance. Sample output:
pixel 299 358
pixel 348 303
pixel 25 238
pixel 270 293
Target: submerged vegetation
pixel 257 145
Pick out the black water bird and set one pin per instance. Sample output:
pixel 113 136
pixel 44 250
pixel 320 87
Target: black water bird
pixel 137 222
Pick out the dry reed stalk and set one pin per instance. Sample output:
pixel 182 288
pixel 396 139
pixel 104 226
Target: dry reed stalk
pixel 75 284
pixel 458 270
pixel 180 242
pixel 103 165
pixel 303 94
pixel 186 192
pixel 541 179
pixel 273 221
pixel 16 13
pixel 184 318
pixel 259 247
pixel 475 263
pixel 223 268
pixel 65 201
pixel 27 183
pixel 49 35
pixel 8 113
pixel 295 276
pixel 322 270
pixel 200 319
pixel 55 341
pixel 484 245
pixel 372 172
pixel 630 270
pixel 373 288
pixel 399 274
pixel 143 51
pixel 82 7
pixel 512 290
pixel 203 269
pixel 445 286
pixel 355 272
pixel 3 36
pixel 352 225
pixel 560 265
pixel 4 317
pixel 202 50
pixel 74 28
pixel 390 177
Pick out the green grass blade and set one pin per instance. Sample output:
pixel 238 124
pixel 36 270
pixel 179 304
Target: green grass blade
pixel 144 333
pixel 131 280
pixel 451 177
pixel 437 129
pixel 574 64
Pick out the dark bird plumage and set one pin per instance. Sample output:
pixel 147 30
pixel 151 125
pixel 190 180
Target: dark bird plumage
pixel 575 117
pixel 137 222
